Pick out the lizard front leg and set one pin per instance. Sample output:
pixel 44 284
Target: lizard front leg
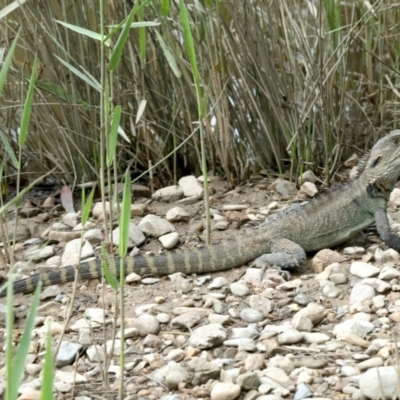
pixel 284 253
pixel 382 225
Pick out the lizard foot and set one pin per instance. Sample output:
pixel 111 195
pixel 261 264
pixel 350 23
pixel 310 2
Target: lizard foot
pixel 264 265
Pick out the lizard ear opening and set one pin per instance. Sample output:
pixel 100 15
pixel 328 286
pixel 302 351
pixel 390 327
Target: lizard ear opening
pixel 375 162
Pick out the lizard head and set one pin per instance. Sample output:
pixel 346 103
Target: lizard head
pixel 383 164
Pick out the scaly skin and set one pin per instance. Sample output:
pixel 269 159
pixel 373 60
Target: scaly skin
pixel 282 239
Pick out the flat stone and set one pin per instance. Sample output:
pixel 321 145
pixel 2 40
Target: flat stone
pixel 67 353
pixel 177 214
pixel 363 270
pixel 168 194
pixel 207 336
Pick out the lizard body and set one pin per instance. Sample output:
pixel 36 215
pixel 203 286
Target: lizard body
pixel 282 240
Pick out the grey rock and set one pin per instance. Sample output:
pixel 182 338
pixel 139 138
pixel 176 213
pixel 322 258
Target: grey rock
pixel 50 292
pixel 146 324
pixel 388 272
pixel 93 236
pixel 218 283
pixel 186 321
pixel 203 377
pixel 380 381
pixel 156 227
pixel 207 336
pixel 75 250
pixel 251 315
pixel 360 293
pixel 314 312
pixel 225 391
pixel 67 353
pixel 363 270
pixel 290 336
pixel 250 332
pixel 170 240
pixel 191 186
pixel 168 194
pixel 239 289
pixel 301 299
pixel 177 214
pixel 360 328
pixel 303 391
pixel 136 236
pixel 309 189
pixel 22 231
pixel 95 353
pixel 285 188
pixel 249 380
pixel 260 303
pixel 175 375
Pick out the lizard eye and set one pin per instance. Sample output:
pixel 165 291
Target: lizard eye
pixel 396 141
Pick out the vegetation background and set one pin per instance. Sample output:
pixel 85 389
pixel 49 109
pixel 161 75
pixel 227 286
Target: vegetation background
pixel 287 85
pixel 156 89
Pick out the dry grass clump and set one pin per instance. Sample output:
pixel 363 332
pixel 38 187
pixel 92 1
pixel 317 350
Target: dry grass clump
pixel 299 83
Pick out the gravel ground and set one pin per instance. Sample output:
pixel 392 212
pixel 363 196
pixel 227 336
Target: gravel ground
pixel 327 333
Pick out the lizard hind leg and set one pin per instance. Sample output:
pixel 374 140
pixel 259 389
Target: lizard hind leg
pixel 284 254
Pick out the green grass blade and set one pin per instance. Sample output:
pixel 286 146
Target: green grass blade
pixel 26 113
pixel 187 34
pixel 142 39
pixel 92 82
pixel 7 61
pixel 87 205
pixel 169 56
pixel 164 7
pixel 116 28
pixel 23 346
pixel 10 8
pixel 60 92
pixel 9 149
pixel 125 218
pixel 119 46
pixel 84 31
pixel 9 340
pixel 48 370
pixel 112 142
pixel 110 278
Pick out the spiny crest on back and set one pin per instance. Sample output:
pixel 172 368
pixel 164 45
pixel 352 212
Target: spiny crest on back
pixel 362 163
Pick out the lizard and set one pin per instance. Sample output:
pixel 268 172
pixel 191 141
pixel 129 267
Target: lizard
pixel 282 240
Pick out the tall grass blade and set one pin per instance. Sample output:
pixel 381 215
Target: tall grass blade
pixel 112 142
pixel 84 31
pixel 48 370
pixel 7 61
pixel 169 56
pixel 17 366
pixel 87 205
pixel 164 7
pixel 125 218
pixel 10 8
pixel 142 39
pixel 26 113
pixel 92 82
pixel 187 33
pixel 110 278
pixel 9 149
pixel 119 46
